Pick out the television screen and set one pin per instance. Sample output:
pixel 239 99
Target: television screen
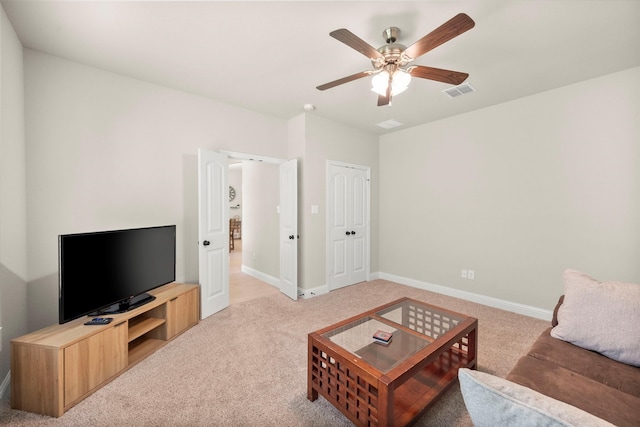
pixel 113 268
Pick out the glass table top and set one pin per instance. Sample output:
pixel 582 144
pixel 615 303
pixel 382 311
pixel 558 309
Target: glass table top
pixel 428 321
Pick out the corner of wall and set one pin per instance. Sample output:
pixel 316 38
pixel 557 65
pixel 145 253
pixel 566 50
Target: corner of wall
pixel 13 206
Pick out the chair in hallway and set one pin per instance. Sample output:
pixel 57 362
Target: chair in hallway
pixel 232 226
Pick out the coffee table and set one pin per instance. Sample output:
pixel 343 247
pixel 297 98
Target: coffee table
pixel 374 384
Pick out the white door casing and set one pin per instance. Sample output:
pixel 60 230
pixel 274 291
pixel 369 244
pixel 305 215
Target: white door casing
pixel 213 232
pixel 289 228
pixel 214 267
pixel 348 228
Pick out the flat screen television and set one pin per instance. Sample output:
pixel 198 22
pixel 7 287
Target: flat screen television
pixel 110 272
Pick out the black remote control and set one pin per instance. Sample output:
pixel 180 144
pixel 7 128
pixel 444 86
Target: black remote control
pixel 99 321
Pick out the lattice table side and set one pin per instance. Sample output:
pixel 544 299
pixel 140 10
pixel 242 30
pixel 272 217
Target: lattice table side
pixel 348 387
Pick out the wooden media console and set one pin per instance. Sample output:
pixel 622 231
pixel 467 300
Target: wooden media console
pixel 56 367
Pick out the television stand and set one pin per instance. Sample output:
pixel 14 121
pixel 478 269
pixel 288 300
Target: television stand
pixel 56 367
pixel 126 305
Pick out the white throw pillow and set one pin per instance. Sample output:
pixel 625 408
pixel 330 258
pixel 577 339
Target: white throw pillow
pixel 496 402
pixel 600 316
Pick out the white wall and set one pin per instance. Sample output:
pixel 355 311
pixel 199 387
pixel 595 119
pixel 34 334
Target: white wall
pixel 261 222
pixel 13 206
pixel 328 140
pixel 518 192
pixel 106 151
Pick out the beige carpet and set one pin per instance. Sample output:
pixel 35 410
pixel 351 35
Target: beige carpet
pixel 247 366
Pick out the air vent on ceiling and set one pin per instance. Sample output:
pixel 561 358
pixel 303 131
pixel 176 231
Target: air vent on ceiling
pixel 389 124
pixel 459 90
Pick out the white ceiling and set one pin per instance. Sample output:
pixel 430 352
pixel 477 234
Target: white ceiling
pixel 269 56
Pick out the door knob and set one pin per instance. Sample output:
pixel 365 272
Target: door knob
pixel 206 243
pixel 347 233
pixel 291 237
pixel 353 232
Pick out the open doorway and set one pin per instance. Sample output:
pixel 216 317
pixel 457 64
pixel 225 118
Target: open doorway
pixel 213 228
pixel 253 210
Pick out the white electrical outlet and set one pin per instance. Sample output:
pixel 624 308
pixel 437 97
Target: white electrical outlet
pixel 471 274
pixel 463 274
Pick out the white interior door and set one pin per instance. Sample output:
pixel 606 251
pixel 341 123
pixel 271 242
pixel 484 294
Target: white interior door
pixel 348 224
pixel 213 231
pixel 289 228
pixel 358 215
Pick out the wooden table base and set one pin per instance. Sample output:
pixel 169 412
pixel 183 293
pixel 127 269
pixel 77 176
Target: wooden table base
pixel 369 397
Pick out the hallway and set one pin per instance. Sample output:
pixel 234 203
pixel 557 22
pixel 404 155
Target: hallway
pixel 243 287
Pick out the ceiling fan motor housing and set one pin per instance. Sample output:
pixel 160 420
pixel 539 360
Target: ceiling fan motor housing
pixel 391 34
pixel 391 51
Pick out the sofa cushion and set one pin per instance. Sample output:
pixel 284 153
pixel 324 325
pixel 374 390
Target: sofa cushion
pixel 590 364
pixel 562 384
pixel 600 316
pixel 495 402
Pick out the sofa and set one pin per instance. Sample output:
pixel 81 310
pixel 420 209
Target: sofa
pixel 584 370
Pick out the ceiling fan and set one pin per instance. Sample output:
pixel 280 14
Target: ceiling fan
pixel 391 70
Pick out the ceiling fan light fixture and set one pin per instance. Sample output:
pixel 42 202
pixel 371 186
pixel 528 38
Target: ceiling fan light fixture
pixel 380 82
pixel 400 80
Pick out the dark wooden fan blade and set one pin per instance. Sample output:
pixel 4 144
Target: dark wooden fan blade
pixel 355 42
pixel 383 100
pixel 438 74
pixel 450 29
pixel 343 80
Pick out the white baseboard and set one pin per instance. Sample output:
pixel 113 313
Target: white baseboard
pixel 273 281
pixel 319 290
pixel 5 385
pixel 515 307
pixel 313 292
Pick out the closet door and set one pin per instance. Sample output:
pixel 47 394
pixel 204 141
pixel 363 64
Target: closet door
pixel 347 224
pixel 358 219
